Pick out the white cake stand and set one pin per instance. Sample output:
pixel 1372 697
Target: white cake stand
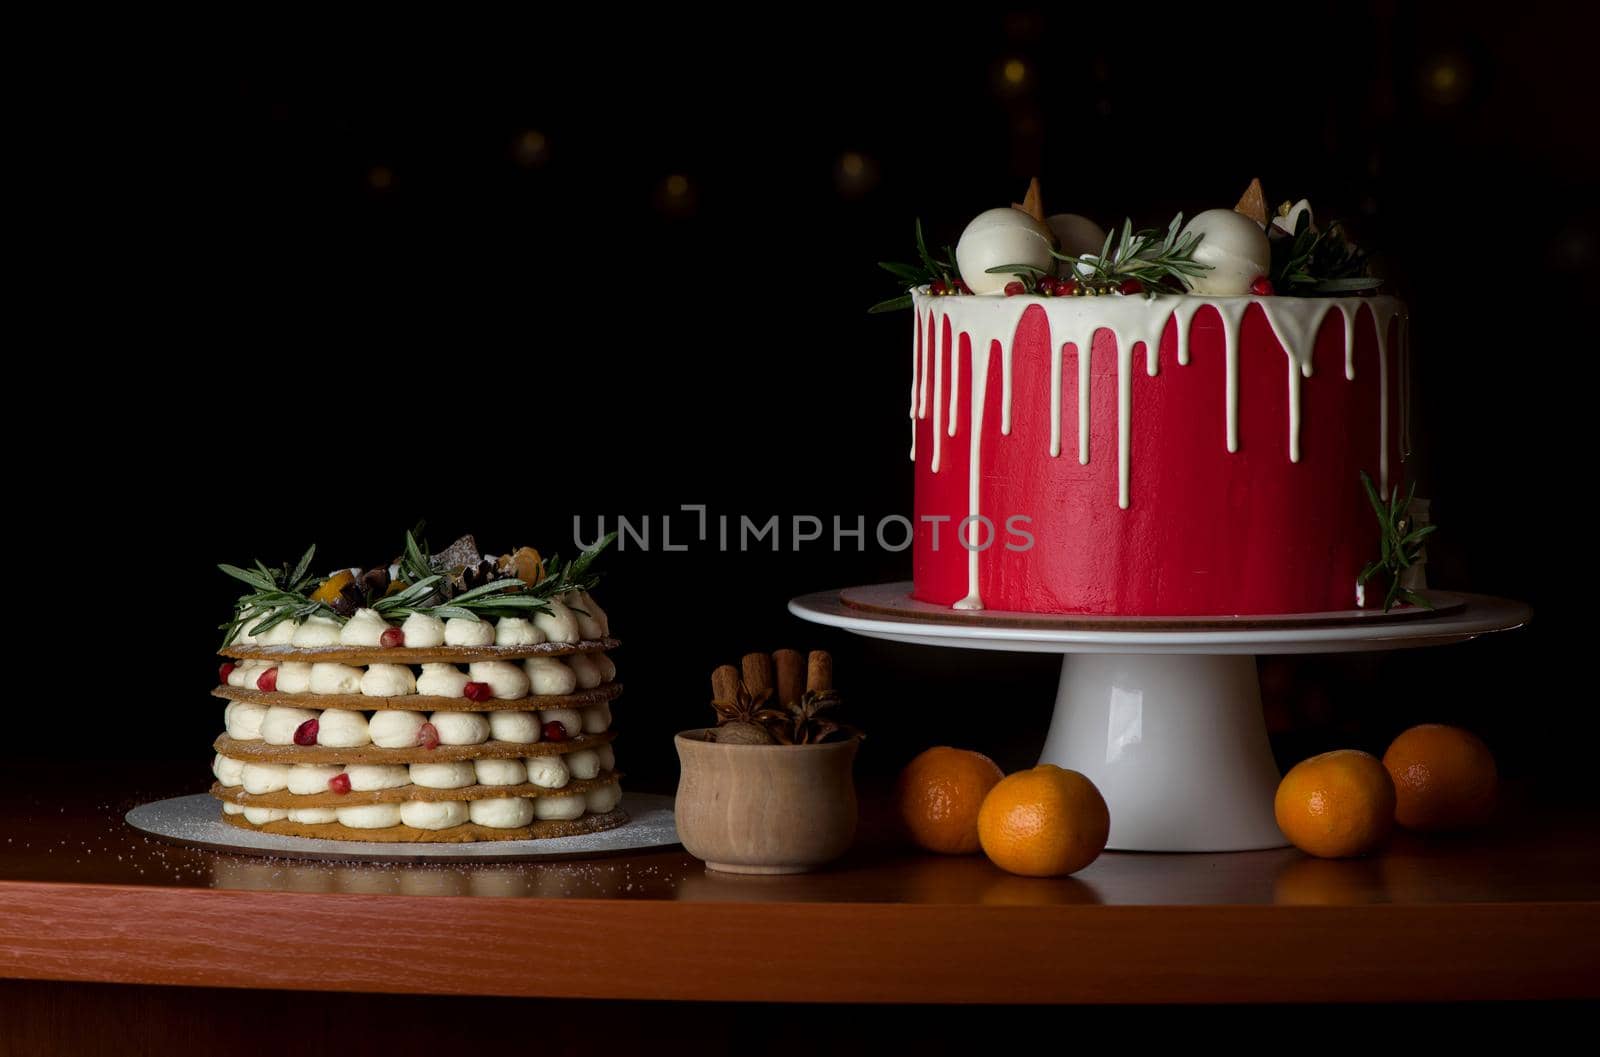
pixel 1164 716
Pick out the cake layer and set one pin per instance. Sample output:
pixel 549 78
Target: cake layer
pixel 261 752
pixel 359 655
pixel 1214 471
pixel 462 834
pixel 422 702
pixel 235 794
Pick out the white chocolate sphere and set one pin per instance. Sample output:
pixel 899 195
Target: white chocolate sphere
pixel 1235 248
pixel 1075 235
pixel 999 237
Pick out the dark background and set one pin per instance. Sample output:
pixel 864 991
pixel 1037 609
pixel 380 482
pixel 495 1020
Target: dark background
pixel 314 283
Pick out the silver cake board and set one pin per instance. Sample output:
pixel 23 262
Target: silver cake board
pixel 197 821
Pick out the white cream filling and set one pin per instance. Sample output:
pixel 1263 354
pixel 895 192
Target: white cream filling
pixel 588 626
pixel 597 718
pixel 313 816
pixel 280 634
pixel 547 772
pixel 584 764
pixel 460 728
pixel 603 798
pixel 505 679
pixel 558 807
pixel 587 603
pixel 342 728
pixel 423 631
pixel 227 770
pixel 520 727
pixel 506 812
pixel 608 668
pixel 240 673
pixel 281 723
pixel 607 757
pixel 558 625
pixel 316 632
pixel 369 816
pixel 500 772
pixel 264 777
pixel 433 814
pixel 456 775
pixel 260 816
pixel 370 777
pixel 243 636
pixel 307 779
pixel 294 677
pixel 585 670
pixel 517 631
pixel 442 680
pixel 364 628
pixel 395 728
pixel 232 809
pixel 243 720
pixel 548 675
pixel 328 677
pixel 464 631
pixel 569 718
pixel 388 680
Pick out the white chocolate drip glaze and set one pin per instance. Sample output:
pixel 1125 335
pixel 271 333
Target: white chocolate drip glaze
pixel 991 322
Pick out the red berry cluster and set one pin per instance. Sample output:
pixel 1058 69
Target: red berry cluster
pixel 1044 286
pixel 940 288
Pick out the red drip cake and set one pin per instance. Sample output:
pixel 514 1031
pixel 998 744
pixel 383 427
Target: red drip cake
pixel 1095 444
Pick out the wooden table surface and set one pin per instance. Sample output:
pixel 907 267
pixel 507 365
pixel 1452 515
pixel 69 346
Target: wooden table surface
pixel 1512 913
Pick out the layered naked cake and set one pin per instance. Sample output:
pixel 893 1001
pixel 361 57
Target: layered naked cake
pixel 1152 423
pixel 450 697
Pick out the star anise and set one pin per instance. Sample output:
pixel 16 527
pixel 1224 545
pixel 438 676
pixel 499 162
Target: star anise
pixel 744 707
pixel 809 720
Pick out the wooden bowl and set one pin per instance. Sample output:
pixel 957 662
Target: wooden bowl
pixel 765 809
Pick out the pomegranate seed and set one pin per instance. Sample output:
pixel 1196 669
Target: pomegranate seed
pixel 477 692
pixel 1131 286
pixel 937 288
pixel 306 733
pixel 1013 288
pixel 962 287
pixel 555 730
pixel 1047 285
pixel 428 737
pixel 392 638
pixel 225 671
pixel 267 680
pixel 339 783
pixel 1261 286
pixel 1066 287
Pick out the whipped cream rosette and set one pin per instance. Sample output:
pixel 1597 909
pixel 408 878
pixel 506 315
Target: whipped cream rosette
pixel 442 697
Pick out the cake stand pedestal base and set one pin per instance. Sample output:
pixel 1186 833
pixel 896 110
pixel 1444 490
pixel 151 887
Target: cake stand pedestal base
pixel 1175 742
pixel 1163 715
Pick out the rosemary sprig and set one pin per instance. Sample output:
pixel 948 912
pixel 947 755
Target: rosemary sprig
pixel 1400 545
pixel 1319 262
pixel 279 595
pixel 1160 263
pixel 927 270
